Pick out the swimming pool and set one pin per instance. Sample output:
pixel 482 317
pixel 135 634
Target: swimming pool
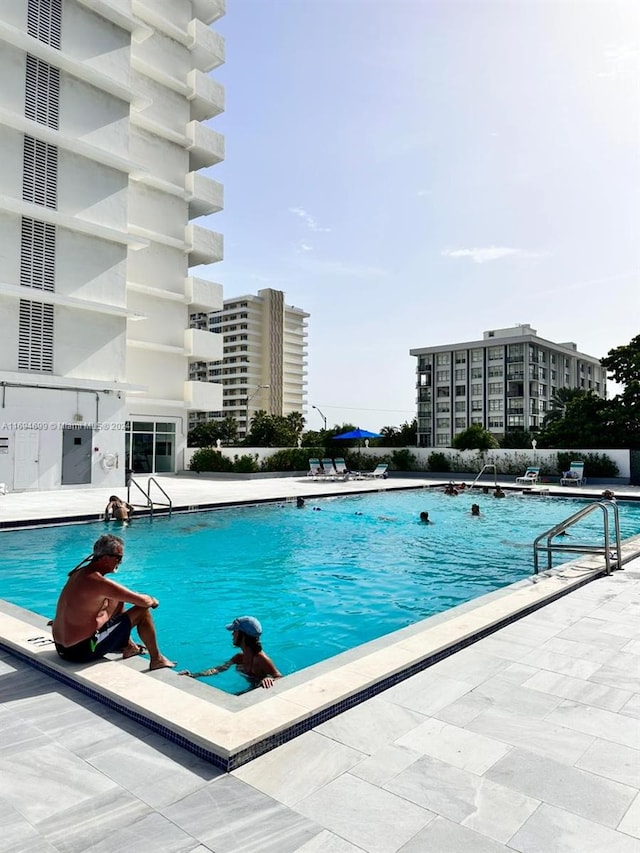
pixel 320 581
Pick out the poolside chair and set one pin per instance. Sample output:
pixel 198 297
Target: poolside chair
pixel 379 472
pixel 315 468
pixel 574 476
pixel 329 469
pixel 530 476
pixel 343 472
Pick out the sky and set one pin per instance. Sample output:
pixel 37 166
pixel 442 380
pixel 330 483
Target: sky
pixel 415 172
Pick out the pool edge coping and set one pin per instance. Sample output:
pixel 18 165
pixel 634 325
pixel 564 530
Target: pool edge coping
pixel 227 736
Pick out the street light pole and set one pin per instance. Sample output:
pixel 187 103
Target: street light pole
pixel 322 416
pixel 249 399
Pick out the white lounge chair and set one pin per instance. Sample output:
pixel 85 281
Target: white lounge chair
pixel 530 476
pixel 341 469
pixel 329 469
pixel 574 476
pixel 380 471
pixel 315 469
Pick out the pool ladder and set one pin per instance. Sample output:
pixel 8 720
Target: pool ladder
pixel 149 504
pixel 606 507
pixel 484 468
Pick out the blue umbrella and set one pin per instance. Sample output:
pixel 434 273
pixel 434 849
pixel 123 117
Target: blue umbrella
pixel 358 433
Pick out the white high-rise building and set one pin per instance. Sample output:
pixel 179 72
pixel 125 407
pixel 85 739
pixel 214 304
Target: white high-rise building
pixel 102 180
pixel 504 382
pixel 263 366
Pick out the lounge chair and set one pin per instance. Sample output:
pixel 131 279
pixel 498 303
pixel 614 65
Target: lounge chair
pixel 574 476
pixel 530 476
pixel 315 468
pixel 329 469
pixel 380 471
pixel 341 468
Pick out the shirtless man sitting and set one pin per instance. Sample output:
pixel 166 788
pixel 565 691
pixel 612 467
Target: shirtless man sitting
pixel 90 619
pixel 251 661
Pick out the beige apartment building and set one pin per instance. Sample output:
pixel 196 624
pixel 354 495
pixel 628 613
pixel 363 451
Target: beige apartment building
pixel 503 382
pixel 264 360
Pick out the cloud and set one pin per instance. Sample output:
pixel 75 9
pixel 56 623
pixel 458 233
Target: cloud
pixel 304 247
pixel 488 253
pixel 316 266
pixel 309 221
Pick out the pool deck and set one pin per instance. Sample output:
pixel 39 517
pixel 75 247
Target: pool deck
pixel 527 740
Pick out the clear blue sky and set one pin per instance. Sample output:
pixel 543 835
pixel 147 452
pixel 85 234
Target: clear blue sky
pixel 415 172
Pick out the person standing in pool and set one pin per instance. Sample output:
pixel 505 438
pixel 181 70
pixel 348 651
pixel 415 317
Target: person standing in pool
pixel 250 660
pixel 90 619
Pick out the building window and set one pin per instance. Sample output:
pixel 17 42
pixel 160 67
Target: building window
pixel 461 423
pixel 35 337
pixel 476 420
pixel 461 406
pixel 443 423
pixel 461 390
pixel 496 388
pixel 476 355
pixel 476 390
pixel 443 375
pixel 496 423
pixel 461 374
pixel 496 370
pixel 442 392
pixel 476 405
pixel 442 440
pixel 476 373
pixel 495 405
pixel 443 408
pixel 495 353
pixel 443 358
pixel 461 356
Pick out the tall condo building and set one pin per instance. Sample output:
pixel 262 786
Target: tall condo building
pixel 104 174
pixel 263 366
pixel 503 382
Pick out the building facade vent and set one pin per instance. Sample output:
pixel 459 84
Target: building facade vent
pixel 40 173
pixel 35 337
pixel 42 92
pixel 37 254
pixel 44 21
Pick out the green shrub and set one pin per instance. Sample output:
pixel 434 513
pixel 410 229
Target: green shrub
pixel 208 459
pixel 293 459
pixel 403 460
pixel 245 464
pixel 439 462
pixel 595 464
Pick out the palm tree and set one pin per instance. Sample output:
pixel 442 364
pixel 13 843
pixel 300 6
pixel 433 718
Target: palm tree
pixel 296 423
pixel 559 402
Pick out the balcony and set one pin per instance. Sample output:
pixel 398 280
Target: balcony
pixel 203 246
pixel 201 345
pixel 206 96
pixel 208 10
pixel 202 295
pixel 206 46
pixel 205 146
pixel 203 396
pixel 203 194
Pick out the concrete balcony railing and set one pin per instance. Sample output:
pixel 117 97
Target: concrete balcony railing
pixel 203 396
pixel 206 96
pixel 206 46
pixel 205 147
pixel 202 346
pixel 203 194
pixel 203 246
pixel 208 10
pixel 202 295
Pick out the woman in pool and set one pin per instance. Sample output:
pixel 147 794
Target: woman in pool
pixel 250 660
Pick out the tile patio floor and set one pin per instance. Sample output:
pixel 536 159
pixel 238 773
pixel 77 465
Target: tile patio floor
pixel 529 740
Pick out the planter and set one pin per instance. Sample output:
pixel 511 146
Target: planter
pixel 233 475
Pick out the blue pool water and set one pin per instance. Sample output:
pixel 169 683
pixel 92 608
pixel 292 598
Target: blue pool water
pixel 319 581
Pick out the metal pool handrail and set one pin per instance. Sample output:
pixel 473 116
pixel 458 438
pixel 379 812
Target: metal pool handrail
pixel 550 547
pixel 495 475
pixel 149 502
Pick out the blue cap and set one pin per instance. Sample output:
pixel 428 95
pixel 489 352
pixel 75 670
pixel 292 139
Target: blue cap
pixel 247 624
